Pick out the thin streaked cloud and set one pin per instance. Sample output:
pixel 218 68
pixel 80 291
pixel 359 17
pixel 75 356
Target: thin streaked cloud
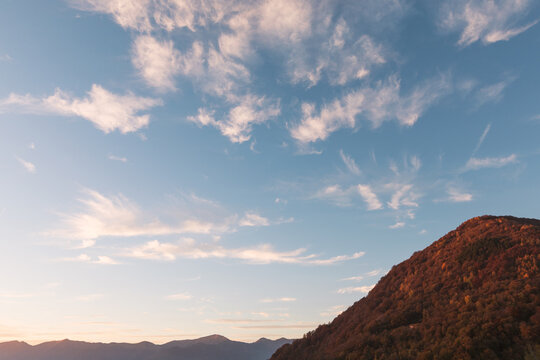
pixel 485 20
pixel 490 162
pixel 356 289
pixel 28 166
pixel 106 110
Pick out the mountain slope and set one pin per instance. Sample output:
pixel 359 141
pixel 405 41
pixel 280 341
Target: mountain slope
pixel 214 347
pixel 473 294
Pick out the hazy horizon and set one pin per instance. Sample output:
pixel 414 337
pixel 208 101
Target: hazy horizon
pixel 138 342
pixel 175 169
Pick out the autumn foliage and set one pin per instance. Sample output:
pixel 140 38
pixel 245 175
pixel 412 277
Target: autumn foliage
pixel 473 294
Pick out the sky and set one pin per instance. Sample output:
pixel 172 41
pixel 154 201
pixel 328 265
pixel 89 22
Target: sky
pixel 172 169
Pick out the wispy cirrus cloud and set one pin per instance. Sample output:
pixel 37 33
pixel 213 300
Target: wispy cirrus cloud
pixel 397 225
pixel 482 138
pixel 356 289
pixel 117 158
pixel 369 197
pixel 485 20
pixel 99 260
pixel 128 14
pixel 335 194
pixel 377 104
pixel 239 122
pixel 490 162
pixel 456 195
pixel 179 296
pixel 158 62
pixel 261 254
pixel 118 216
pixel 30 167
pixel 362 277
pixel 404 195
pixel 343 56
pixel 107 111
pixel 349 163
pixel 289 27
pixel 253 219
pixel 278 300
pixel 492 93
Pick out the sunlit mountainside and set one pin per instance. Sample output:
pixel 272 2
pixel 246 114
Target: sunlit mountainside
pixel 473 294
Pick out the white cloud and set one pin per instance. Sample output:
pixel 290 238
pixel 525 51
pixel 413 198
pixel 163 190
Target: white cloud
pixel 282 299
pixel 132 14
pixel 192 62
pixel 505 35
pixel 261 254
pixel 490 162
pixel 342 57
pixel 117 158
pixel 118 216
pixel 378 104
pixel 369 197
pixel 172 14
pixel 482 138
pixel 397 225
pixel 402 196
pixel 415 163
pixel 31 168
pixel 238 42
pixel 355 289
pixel 362 277
pixel 107 111
pixel 337 259
pixel 373 273
pixel 349 162
pixel 486 20
pixel 105 260
pixel 285 20
pixel 157 61
pixel 335 194
pixel 180 296
pixel 213 72
pixel 253 219
pixel 84 258
pixel 354 278
pixel 455 195
pixel 238 125
pixel 492 93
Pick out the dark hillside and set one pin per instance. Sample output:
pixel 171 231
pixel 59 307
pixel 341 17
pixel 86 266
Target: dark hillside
pixel 473 294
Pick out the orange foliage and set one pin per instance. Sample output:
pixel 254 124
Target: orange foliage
pixel 473 294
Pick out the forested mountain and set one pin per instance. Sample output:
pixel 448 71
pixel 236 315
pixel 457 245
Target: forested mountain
pixel 212 347
pixel 473 294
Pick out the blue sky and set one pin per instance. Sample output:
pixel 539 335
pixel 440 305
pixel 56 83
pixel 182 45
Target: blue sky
pixel 173 169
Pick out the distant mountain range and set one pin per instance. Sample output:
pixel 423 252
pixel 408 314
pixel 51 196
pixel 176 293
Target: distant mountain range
pixel 214 347
pixel 473 294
